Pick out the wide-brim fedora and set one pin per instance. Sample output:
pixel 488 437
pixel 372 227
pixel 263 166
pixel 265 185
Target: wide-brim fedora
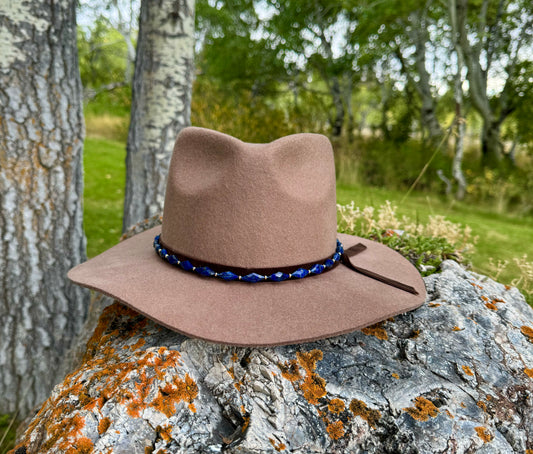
pixel 248 252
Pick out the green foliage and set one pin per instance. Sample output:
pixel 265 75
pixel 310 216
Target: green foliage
pixel 102 55
pixel 425 252
pixel 116 102
pixel 390 164
pixel 425 245
pixel 252 119
pixel 7 433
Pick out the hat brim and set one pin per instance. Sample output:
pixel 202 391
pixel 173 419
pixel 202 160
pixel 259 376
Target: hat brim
pixel 259 314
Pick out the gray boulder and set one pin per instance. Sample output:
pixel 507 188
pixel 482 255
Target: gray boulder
pixel 455 375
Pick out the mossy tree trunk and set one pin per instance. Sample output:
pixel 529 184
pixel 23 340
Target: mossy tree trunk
pixel 41 187
pixel 162 86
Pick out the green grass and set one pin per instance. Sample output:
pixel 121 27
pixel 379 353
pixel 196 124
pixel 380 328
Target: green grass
pixel 105 170
pixel 501 236
pixel 7 433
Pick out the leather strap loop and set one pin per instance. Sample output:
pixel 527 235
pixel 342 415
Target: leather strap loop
pixel 357 249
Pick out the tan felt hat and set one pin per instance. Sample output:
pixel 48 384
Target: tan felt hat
pixel 248 252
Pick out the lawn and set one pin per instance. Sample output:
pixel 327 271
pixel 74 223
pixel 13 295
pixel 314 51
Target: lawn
pixel 501 236
pixel 105 176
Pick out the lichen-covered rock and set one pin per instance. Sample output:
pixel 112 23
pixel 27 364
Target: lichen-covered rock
pixel 455 375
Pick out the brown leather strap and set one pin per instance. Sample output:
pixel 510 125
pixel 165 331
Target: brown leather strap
pixel 358 248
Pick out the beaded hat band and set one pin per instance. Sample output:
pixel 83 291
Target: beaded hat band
pixel 275 274
pixel 246 275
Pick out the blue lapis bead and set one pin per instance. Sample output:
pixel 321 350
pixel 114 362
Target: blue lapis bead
pixel 336 257
pixel 205 271
pixel 186 265
pixel 278 277
pixel 329 263
pixel 317 269
pixel 228 276
pixel 253 277
pixel 172 259
pixel 163 252
pixel 300 273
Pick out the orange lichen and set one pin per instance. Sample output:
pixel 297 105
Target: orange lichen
pixel 528 332
pixel 422 410
pixel 491 306
pixel 529 372
pixel 433 304
pixel 138 344
pixel 449 414
pixel 376 330
pixel 313 387
pixel 395 375
pixel 83 445
pixel 231 372
pixel 246 422
pixel 277 446
pixel 484 434
pixel 135 407
pixel 529 451
pixel 336 406
pixel 234 357
pixel 237 386
pixel 414 334
pixel 484 298
pixel 290 371
pixel 508 287
pixel 359 408
pixel 165 432
pixel 103 425
pixel 308 360
pixel 456 328
pixel 462 404
pixel 335 430
pixel 467 370
pixel 172 393
pixel 482 405
pixel 104 374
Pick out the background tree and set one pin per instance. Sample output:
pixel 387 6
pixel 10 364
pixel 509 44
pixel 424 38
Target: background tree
pixel 493 35
pixel 41 233
pixel 161 102
pixel 307 36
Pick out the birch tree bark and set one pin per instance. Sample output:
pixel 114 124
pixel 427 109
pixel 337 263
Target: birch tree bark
pixel 418 33
pixel 162 86
pixel 41 187
pixel 460 120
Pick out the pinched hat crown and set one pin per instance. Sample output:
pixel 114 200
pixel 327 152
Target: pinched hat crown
pixel 248 253
pixel 250 205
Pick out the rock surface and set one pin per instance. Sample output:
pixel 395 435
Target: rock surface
pixel 455 375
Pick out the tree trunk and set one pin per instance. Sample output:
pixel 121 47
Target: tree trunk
pixel 336 95
pixel 491 145
pixel 162 86
pixel 460 121
pixel 428 112
pixel 347 92
pixel 41 187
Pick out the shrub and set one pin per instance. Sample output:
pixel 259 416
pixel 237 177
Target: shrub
pixel 425 245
